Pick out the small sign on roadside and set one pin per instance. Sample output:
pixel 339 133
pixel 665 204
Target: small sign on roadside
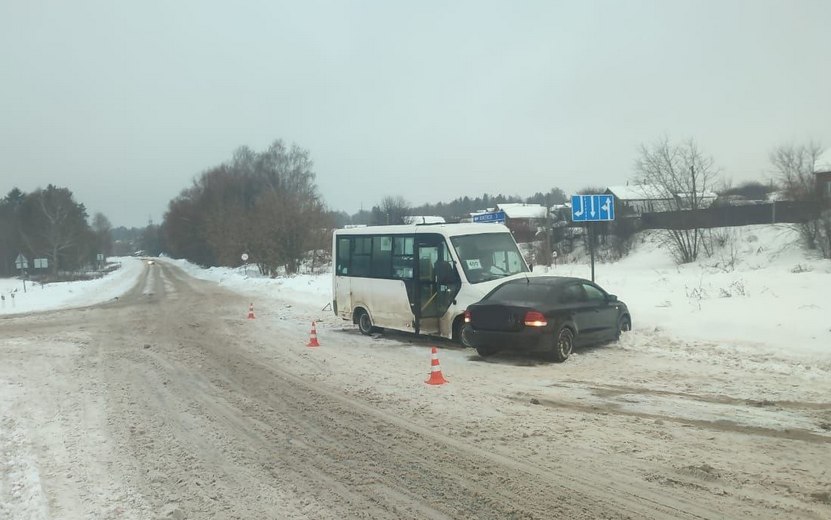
pixel 21 262
pixel 496 217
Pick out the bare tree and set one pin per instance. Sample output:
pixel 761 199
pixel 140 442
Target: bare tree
pixel 263 203
pixel 392 210
pixel 795 167
pixel 103 234
pixel 54 225
pixel 681 174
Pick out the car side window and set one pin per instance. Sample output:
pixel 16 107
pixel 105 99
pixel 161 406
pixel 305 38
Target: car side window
pixel 593 294
pixel 573 293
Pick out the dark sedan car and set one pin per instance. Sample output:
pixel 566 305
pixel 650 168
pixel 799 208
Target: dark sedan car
pixel 547 313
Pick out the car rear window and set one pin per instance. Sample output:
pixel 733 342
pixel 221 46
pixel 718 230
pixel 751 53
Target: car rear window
pixel 521 293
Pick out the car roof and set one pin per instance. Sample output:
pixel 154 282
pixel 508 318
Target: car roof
pixel 548 280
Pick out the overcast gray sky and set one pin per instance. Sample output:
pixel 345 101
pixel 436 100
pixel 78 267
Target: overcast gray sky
pixel 125 102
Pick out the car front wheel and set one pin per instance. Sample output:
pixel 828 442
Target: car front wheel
pixel 623 325
pixel 461 333
pixel 563 345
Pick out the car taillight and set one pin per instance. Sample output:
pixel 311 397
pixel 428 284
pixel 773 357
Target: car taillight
pixel 535 319
pixel 467 316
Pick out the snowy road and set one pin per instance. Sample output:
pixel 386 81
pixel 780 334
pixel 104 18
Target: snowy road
pixel 168 403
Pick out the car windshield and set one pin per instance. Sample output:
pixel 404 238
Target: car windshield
pixel 488 256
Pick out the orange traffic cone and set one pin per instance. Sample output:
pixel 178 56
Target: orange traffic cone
pixel 436 377
pixel 251 312
pixel 313 337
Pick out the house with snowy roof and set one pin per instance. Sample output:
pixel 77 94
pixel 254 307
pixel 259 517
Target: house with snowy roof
pixel 637 199
pixel 423 219
pixel 524 220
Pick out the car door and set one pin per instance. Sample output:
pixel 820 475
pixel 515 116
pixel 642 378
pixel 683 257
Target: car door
pixel 576 305
pixel 603 315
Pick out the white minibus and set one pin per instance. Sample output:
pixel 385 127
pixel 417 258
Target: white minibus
pixel 419 278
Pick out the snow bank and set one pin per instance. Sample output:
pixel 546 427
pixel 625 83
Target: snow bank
pixel 759 289
pixel 60 295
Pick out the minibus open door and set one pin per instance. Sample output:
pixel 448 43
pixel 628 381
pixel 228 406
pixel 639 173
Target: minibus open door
pixel 437 283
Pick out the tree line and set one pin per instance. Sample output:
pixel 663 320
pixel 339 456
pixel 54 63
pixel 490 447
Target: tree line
pixel 262 204
pixel 266 205
pixel 394 209
pixel 49 223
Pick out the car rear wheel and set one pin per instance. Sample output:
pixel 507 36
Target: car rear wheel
pixel 563 345
pixel 364 323
pixel 486 351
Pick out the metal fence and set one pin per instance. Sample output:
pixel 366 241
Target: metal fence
pixel 728 216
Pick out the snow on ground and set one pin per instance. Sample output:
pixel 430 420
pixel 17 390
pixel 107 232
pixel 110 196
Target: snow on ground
pixel 760 300
pixel 760 292
pixel 748 325
pixel 17 299
pixel 301 289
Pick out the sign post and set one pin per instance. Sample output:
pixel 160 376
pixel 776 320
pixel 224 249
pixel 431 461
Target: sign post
pixel 592 208
pixel 244 258
pixel 42 264
pixel 22 263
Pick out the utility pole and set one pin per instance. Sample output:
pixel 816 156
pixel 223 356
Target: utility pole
pixel 547 242
pixel 694 193
pixel 590 225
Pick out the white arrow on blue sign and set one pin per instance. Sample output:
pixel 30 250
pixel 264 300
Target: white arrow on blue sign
pixel 592 208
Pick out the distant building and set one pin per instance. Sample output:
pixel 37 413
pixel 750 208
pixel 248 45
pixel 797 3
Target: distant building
pixel 523 211
pixel 635 200
pixel 705 199
pixel 524 220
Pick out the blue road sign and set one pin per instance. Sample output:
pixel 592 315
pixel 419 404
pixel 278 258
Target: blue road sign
pixel 497 217
pixel 592 208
